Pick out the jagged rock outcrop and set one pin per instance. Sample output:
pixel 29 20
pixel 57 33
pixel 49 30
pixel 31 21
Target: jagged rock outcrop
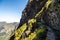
pixel 40 21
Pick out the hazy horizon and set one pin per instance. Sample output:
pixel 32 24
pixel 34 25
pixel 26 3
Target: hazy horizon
pixel 11 10
pixel 8 22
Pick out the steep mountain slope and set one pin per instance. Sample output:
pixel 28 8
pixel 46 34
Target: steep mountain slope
pixel 40 21
pixel 6 30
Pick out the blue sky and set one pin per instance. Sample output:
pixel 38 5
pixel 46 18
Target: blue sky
pixel 11 10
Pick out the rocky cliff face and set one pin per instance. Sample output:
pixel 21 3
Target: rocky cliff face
pixel 40 21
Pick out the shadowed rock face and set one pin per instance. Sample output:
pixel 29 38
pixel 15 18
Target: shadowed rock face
pixel 52 18
pixel 31 9
pixel 46 26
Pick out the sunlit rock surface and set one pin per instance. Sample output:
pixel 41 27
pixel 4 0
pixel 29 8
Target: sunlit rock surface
pixel 7 29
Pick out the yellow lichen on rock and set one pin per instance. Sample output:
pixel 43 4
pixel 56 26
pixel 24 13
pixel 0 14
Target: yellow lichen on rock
pixel 34 34
pixel 32 20
pixel 39 13
pixel 19 32
pixel 48 3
